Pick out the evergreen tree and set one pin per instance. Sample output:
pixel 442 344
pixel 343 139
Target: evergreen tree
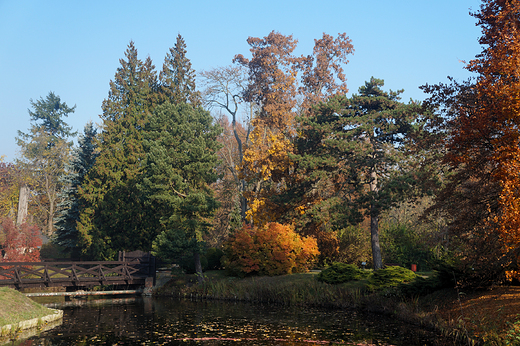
pixel 181 160
pixel 351 155
pixel 177 77
pixel 114 219
pixel 47 117
pixel 44 154
pixel 82 160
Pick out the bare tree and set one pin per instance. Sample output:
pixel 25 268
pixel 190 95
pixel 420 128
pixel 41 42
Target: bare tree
pixel 223 87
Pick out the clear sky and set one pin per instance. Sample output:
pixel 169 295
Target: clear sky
pixel 73 47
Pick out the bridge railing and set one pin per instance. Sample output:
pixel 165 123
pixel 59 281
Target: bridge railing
pixel 25 274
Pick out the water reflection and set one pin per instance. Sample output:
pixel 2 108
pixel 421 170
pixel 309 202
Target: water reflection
pixel 150 321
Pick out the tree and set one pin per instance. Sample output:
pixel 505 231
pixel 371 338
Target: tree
pixel 177 77
pixel 351 153
pixel 274 86
pixel 9 189
pixel 228 188
pixel 48 117
pixel 482 146
pixel 82 160
pixel 44 153
pixel 323 75
pixel 114 218
pixel 224 88
pixel 181 144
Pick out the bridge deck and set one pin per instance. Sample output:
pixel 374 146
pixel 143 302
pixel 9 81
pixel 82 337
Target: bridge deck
pixel 74 274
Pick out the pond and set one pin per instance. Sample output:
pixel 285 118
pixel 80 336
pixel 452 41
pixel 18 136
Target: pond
pixel 165 321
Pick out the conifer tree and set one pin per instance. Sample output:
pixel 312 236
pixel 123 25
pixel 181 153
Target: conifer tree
pixel 181 144
pixel 114 219
pixel 177 77
pixel 44 154
pixel 351 157
pixel 82 159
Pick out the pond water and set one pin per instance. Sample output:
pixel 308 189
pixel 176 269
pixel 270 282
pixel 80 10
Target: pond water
pixel 164 321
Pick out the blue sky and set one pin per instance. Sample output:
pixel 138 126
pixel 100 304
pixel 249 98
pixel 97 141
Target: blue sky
pixel 73 47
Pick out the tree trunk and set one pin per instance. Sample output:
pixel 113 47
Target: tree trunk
pixel 243 201
pixel 23 201
pixel 198 267
pixel 50 220
pixel 374 233
pixel 242 186
pixel 374 224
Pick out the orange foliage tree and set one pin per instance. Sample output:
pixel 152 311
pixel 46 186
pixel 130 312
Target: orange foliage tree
pixel 498 90
pixel 282 94
pixel 272 249
pixel 482 194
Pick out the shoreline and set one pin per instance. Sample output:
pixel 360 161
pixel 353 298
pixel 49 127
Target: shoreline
pixel 27 328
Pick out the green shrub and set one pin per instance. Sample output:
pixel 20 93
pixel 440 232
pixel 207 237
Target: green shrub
pixel 420 286
pixel 338 273
pixel 187 263
pixel 214 256
pixel 354 245
pixel 51 250
pixel 404 245
pixel 390 277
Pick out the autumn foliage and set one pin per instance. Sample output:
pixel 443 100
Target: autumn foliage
pixel 272 249
pixel 481 194
pixel 19 244
pixel 498 91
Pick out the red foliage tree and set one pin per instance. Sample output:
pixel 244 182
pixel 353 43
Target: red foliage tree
pixel 19 244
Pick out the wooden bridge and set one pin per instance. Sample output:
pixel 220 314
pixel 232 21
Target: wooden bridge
pixel 128 272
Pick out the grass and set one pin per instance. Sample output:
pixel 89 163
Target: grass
pixel 294 289
pixel 16 307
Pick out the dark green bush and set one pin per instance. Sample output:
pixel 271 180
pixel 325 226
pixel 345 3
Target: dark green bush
pixel 390 277
pixel 187 263
pixel 405 245
pixel 53 251
pixel 213 256
pixel 340 272
pixel 420 286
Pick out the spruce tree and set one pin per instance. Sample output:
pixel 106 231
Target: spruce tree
pixel 115 219
pixel 82 160
pixel 181 164
pixel 177 77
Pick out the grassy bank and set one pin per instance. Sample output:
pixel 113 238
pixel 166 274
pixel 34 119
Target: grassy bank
pixel 480 317
pixel 16 307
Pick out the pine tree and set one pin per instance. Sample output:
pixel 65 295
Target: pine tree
pixel 177 77
pixel 351 157
pixel 114 219
pixel 82 159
